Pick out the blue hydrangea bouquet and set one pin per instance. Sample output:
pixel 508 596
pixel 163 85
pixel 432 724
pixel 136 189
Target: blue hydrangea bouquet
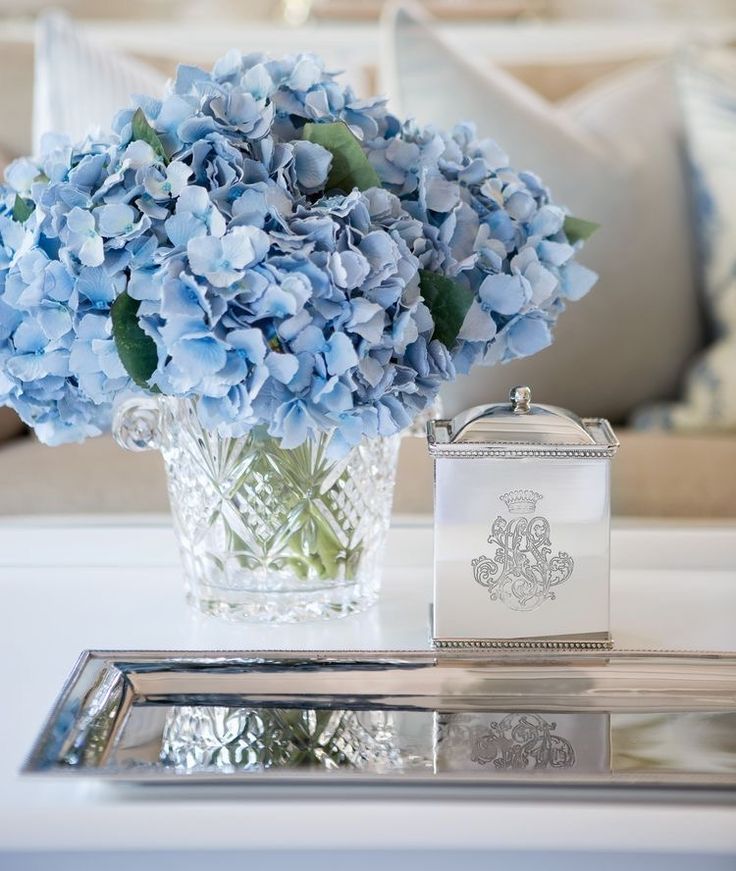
pixel 288 262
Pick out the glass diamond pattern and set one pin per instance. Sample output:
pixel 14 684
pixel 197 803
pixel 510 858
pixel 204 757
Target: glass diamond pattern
pixel 276 535
pixel 198 738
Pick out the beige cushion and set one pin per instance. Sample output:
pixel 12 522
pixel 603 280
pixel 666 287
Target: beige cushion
pixel 562 78
pixel 94 477
pixel 5 158
pixel 653 476
pixel 10 424
pixel 16 96
pixel 673 475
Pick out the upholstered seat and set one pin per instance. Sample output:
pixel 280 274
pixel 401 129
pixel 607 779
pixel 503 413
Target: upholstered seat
pixel 653 476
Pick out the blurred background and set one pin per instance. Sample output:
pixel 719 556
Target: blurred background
pixel 627 108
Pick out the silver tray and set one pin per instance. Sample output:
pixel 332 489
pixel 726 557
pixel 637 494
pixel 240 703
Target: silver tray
pixel 436 719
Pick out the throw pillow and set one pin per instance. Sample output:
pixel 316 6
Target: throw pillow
pixel 707 81
pixel 611 154
pixel 79 85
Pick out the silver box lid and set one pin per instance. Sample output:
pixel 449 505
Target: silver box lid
pixel 520 428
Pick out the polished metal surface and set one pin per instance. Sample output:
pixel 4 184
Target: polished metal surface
pixel 580 642
pixel 520 398
pixel 520 428
pixel 426 719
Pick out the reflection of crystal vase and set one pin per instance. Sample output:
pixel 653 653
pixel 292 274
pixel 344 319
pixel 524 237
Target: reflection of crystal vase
pixel 268 534
pixel 202 738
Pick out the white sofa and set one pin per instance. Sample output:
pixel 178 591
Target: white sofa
pixel 654 474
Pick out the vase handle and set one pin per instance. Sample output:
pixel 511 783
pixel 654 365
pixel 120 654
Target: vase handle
pixel 136 423
pixel 418 427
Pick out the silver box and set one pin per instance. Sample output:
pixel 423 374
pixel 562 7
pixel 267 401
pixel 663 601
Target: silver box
pixel 522 527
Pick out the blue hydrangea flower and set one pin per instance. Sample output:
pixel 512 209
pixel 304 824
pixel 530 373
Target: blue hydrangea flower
pixel 271 300
pixel 489 227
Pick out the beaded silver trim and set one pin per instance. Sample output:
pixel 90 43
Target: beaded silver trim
pixel 483 643
pixel 461 452
pixel 605 446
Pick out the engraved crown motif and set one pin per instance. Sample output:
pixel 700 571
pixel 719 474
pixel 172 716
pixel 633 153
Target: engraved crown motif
pixel 521 501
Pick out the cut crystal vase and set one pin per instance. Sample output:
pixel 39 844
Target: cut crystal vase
pixel 268 534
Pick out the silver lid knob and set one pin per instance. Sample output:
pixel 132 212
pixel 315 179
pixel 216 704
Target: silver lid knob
pixel 520 398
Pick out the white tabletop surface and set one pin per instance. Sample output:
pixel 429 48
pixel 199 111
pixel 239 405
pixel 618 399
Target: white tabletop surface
pixel 72 584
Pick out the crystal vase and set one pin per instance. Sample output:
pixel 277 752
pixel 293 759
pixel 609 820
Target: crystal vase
pixel 268 534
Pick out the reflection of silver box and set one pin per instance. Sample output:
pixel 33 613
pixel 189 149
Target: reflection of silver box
pixel 524 741
pixel 522 527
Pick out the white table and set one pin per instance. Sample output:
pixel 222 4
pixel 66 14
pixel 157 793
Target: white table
pixel 74 584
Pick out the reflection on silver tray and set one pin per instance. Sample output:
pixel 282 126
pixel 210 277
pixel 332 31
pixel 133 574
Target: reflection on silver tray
pixel 413 718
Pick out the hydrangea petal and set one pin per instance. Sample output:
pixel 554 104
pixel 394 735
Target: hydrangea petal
pixel 478 325
pixel 306 73
pixel 115 219
pixel 282 367
pixel 250 342
pixel 528 336
pixel 577 280
pixel 91 252
pixel 340 354
pixel 20 175
pixel 312 163
pixel 505 294
pixel 200 356
pixel 290 424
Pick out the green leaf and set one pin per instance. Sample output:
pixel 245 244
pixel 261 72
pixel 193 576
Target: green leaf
pixel 448 302
pixel 350 166
pixel 578 229
pixel 136 350
pixel 22 209
pixel 142 130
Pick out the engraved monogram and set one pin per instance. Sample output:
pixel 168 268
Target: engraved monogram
pixel 522 741
pixel 522 572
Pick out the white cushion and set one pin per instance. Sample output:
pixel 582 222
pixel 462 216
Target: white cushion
pixel 611 155
pixel 80 85
pixel 708 92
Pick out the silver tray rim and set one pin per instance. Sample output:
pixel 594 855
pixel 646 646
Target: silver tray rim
pixel 706 785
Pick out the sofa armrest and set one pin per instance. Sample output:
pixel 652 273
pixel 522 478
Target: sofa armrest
pixel 653 475
pixel 675 475
pixel 665 475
